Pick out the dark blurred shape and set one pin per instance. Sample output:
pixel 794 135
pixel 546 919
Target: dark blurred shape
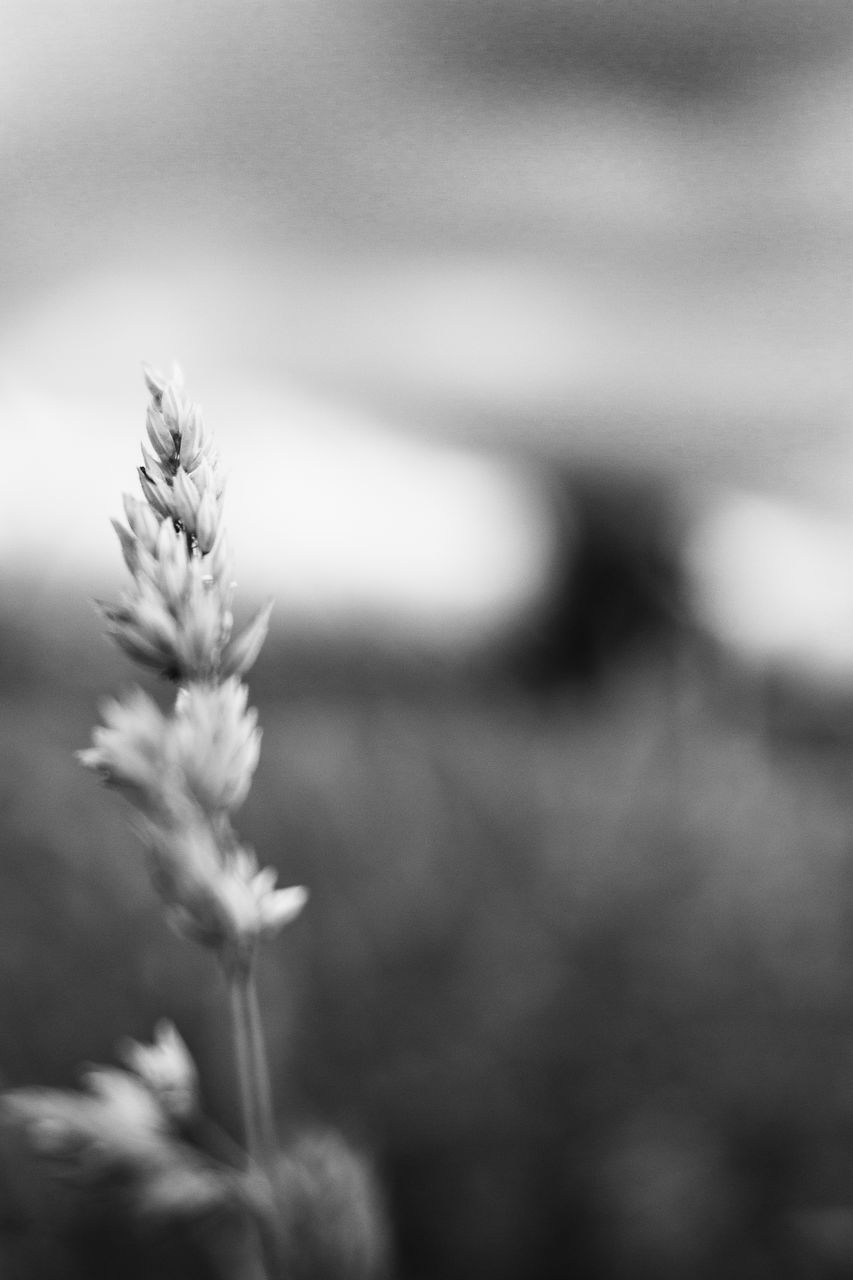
pixel 616 591
pixel 334 1218
pixel 662 46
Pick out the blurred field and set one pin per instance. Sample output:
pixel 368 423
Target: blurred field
pixel 575 971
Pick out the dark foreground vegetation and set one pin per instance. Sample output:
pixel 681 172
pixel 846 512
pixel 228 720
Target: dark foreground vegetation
pixel 576 977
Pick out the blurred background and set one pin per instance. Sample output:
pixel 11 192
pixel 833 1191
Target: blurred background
pixel 523 327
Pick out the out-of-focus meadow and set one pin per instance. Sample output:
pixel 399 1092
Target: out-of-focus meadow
pixel 523 330
pixel 576 972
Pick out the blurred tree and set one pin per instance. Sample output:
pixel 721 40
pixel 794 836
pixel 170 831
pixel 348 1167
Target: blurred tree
pixel 616 586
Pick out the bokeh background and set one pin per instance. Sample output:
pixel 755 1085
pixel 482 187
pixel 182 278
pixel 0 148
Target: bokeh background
pixel 524 329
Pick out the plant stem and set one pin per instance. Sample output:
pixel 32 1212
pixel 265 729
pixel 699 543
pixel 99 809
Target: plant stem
pixel 238 991
pixel 256 1106
pixel 252 1070
pixel 263 1094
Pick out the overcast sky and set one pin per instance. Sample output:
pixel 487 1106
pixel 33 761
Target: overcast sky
pixel 367 229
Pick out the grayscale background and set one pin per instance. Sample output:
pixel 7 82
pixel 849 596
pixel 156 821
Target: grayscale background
pixel 524 330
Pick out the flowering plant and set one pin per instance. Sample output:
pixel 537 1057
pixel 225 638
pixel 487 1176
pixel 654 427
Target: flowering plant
pixel 185 771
